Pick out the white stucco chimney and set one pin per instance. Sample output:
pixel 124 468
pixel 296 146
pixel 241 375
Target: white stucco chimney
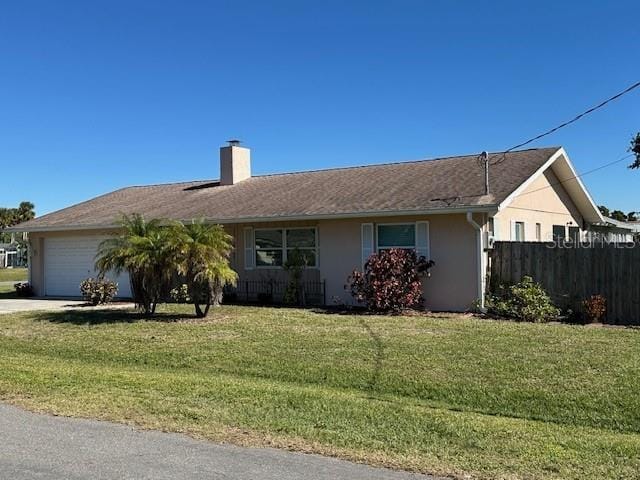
pixel 235 163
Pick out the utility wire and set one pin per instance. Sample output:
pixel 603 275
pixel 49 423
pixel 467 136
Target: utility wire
pixel 487 163
pixel 573 120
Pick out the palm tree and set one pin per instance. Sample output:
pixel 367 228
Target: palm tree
pixel 145 251
pixel 25 211
pixel 203 258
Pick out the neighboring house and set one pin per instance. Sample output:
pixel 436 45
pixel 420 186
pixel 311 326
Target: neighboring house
pixel 615 231
pixel 339 217
pixel 635 226
pixel 9 255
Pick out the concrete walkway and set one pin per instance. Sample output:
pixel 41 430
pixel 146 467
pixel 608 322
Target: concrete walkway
pixel 33 304
pixel 57 448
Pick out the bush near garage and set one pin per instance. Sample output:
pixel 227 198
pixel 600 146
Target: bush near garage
pixel 98 291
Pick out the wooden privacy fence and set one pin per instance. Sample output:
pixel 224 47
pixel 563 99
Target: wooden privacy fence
pixel 571 273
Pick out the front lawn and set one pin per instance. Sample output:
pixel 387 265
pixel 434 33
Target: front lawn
pixel 440 394
pixel 7 291
pixel 13 274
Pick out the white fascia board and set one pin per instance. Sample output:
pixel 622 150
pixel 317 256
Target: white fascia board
pixel 560 154
pixel 576 177
pixel 524 185
pixel 462 209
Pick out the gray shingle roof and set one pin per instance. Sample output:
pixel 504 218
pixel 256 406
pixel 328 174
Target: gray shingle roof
pixel 425 185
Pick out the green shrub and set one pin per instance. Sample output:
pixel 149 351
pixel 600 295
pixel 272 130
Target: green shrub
pixel 97 291
pixel 23 289
pixel 180 294
pixel 525 301
pixel 294 266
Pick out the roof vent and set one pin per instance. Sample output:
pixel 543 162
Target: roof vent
pixel 234 143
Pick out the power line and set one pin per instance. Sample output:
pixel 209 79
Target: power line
pixel 577 176
pixel 573 120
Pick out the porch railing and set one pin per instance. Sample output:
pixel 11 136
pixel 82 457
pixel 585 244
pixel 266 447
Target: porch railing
pixel 272 292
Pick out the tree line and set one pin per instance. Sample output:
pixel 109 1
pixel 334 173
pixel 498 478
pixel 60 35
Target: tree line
pixel 13 216
pixel 619 214
pixel 634 149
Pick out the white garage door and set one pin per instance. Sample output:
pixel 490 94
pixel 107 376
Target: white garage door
pixel 69 260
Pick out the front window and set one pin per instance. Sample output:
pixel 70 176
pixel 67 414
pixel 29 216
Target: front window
pixel 397 236
pixel 274 246
pixel 302 240
pixel 269 251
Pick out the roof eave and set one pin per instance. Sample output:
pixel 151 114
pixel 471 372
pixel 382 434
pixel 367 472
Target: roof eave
pixel 586 205
pixel 280 218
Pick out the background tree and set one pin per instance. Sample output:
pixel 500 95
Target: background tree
pixel 619 215
pixel 10 217
pixel 634 148
pixel 24 212
pixel 604 210
pixel 202 256
pixel 145 251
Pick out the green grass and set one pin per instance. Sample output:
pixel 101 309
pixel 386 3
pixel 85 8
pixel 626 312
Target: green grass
pixel 7 291
pixel 439 394
pixel 13 275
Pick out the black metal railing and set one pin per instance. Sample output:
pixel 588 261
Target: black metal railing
pixel 273 292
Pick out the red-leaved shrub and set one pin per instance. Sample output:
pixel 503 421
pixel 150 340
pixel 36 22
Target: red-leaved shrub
pixel 390 281
pixel 595 308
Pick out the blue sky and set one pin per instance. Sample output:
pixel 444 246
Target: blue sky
pixel 99 95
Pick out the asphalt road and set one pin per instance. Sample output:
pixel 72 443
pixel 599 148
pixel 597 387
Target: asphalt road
pixel 35 446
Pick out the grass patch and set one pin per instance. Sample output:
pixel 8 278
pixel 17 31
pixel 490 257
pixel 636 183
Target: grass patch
pixel 440 394
pixel 13 275
pixel 7 291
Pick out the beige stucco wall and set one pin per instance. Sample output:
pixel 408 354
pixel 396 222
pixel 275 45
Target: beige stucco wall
pixel 453 281
pixel 544 201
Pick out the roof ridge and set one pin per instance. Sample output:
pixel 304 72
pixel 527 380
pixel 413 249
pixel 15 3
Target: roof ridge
pixel 400 162
pixel 330 169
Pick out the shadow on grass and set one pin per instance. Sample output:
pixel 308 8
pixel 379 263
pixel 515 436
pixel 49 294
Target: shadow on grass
pixel 378 354
pixel 343 310
pixel 107 316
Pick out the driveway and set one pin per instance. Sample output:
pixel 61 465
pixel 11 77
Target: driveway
pixel 38 446
pixel 31 304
